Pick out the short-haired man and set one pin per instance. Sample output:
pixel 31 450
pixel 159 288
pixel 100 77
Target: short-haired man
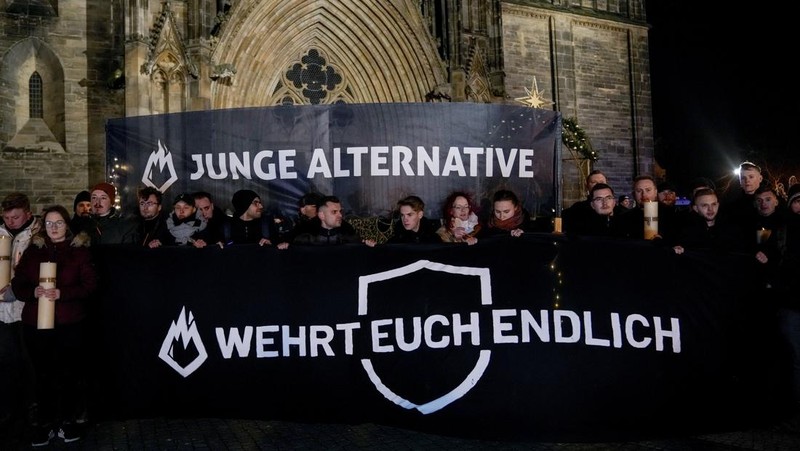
pixel 703 228
pixel 18 225
pixel 645 190
pixel 214 216
pixel 580 210
pixel 740 204
pixel 604 218
pixel 107 225
pixel 329 228
pixel 413 228
pixel 152 228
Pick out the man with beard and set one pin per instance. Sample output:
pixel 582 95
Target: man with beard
pixel 107 225
pixel 152 229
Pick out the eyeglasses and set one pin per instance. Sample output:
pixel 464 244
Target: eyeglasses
pixel 60 223
pixel 603 199
pixel 460 207
pixel 148 204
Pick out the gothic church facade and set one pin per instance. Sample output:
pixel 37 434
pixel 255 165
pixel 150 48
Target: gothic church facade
pixel 66 66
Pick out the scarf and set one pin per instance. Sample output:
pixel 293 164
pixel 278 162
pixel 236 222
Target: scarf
pixel 508 224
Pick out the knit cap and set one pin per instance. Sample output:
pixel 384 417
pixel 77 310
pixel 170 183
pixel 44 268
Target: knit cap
pixel 83 196
pixel 241 201
pixel 106 188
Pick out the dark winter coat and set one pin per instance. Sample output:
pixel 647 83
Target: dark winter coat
pixel 76 277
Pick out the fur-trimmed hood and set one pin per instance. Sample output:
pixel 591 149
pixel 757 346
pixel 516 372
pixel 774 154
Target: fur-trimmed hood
pixel 82 239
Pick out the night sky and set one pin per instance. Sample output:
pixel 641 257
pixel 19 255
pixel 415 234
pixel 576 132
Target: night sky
pixel 723 88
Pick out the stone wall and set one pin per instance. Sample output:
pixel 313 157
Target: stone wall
pixel 593 69
pixel 590 58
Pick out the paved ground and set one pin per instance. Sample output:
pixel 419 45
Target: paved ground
pixel 232 434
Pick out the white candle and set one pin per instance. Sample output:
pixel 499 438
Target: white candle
pixel 5 260
pixel 650 219
pixel 47 307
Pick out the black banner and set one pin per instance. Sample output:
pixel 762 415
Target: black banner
pixel 538 336
pixel 368 155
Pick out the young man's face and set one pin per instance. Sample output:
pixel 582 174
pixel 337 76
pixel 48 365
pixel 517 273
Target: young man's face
pixel 205 206
pixel 766 203
pixel 16 218
pixel 410 218
pixel 183 210
pixel 667 197
pixel 750 179
pixel 331 215
pixel 254 211
pixel 83 208
pixel 603 201
pixel 645 190
pixel 149 208
pixel 101 203
pixel 706 206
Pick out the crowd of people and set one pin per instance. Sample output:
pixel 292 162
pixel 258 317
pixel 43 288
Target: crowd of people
pixel 756 221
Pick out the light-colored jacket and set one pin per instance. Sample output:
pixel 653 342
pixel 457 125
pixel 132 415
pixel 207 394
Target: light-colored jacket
pixel 10 307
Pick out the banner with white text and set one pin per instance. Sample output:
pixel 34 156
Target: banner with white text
pixel 542 336
pixel 368 155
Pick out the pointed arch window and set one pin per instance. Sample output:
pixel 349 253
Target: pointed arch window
pixel 35 96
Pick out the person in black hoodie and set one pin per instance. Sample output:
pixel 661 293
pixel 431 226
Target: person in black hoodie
pixel 413 227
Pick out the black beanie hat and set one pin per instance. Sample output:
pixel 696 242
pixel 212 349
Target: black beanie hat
pixel 83 196
pixel 241 201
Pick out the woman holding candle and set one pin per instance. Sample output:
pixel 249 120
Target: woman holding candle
pixel 57 352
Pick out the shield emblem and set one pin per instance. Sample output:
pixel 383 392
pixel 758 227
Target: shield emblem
pixel 478 281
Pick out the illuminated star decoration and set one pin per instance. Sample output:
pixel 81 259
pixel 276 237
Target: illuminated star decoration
pixel 534 96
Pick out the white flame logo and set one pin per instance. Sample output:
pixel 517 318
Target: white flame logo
pixel 159 159
pixel 184 330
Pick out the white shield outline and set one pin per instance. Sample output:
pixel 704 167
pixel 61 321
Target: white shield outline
pixel 480 365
